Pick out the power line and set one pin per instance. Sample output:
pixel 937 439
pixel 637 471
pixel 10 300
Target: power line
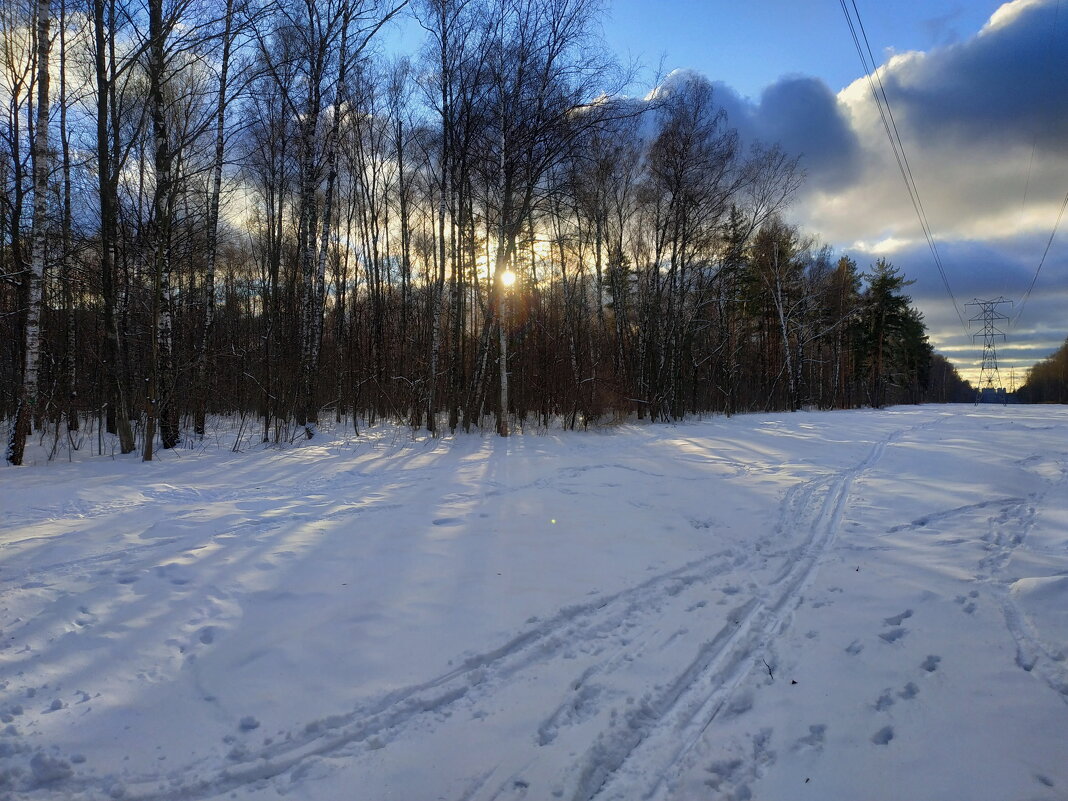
pixel 882 102
pixel 1042 261
pixel 989 316
pixel 1060 214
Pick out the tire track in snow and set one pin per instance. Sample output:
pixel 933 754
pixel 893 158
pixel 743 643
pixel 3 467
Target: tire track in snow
pixel 643 757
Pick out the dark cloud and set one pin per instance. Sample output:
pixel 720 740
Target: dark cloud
pixel 803 115
pixel 1004 86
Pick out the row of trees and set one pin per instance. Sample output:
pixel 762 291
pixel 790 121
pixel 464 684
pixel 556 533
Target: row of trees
pixel 1047 381
pixel 240 206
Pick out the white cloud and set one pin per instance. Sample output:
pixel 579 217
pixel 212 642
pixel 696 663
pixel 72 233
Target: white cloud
pixel 1007 14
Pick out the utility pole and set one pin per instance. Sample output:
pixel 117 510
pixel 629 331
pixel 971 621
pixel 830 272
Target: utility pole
pixel 989 316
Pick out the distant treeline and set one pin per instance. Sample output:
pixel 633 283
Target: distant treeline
pixel 1047 382
pixel 239 207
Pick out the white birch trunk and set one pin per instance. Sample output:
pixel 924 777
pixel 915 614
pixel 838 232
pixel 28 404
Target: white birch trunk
pixel 41 166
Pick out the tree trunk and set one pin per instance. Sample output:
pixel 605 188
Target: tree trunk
pixel 161 399
pixel 27 402
pixel 203 365
pixel 117 409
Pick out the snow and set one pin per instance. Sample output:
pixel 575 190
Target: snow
pixel 846 605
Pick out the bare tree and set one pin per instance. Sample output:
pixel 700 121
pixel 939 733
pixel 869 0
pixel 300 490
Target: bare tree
pixel 223 97
pixel 41 169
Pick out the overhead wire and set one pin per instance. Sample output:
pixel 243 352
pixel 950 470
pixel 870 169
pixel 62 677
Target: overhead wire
pixel 1049 244
pixel 886 115
pixel 1060 215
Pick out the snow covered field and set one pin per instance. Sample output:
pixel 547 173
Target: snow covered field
pixel 850 606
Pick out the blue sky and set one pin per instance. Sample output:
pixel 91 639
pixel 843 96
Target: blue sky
pixel 750 44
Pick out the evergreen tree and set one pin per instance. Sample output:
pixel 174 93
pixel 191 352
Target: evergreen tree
pixel 892 344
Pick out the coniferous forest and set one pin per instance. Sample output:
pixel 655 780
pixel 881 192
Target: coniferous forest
pixel 1047 381
pixel 261 208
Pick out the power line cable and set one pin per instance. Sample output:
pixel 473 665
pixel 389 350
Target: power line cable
pixel 1042 261
pixel 886 115
pixel 1060 214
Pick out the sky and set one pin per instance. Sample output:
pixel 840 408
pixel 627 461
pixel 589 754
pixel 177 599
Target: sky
pixel 979 92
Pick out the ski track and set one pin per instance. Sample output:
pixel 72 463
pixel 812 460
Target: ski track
pixel 478 676
pixel 651 753
pixel 659 731
pixel 647 749
pixel 652 738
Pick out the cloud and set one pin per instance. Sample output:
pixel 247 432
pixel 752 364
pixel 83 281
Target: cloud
pixel 985 128
pixel 798 112
pixel 1004 87
pixel 804 116
pixel 984 123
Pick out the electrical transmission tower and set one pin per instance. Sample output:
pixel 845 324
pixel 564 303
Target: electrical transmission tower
pixel 989 316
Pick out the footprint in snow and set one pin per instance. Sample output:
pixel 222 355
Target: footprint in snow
pixel 967 603
pixel 248 723
pixel 909 691
pixel 520 787
pixel 883 736
pixel 85 617
pixel 894 634
pixel 896 620
pixel 447 521
pixel 884 701
pixel 854 648
pixel 176 574
pixel 814 739
pixel 723 771
pixel 930 664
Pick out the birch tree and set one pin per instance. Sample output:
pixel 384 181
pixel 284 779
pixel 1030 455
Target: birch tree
pixel 27 401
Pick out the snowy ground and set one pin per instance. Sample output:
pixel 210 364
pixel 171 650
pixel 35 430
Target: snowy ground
pixel 847 606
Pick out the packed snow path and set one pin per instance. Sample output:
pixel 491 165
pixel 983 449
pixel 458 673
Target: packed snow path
pixel 850 605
